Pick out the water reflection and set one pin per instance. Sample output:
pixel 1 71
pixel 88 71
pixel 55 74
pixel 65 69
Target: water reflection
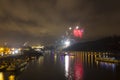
pixel 12 74
pixel 55 58
pixel 7 76
pixel 75 63
pixel 108 66
pixel 12 77
pixel 66 65
pixel 40 60
pixel 73 68
pixel 78 71
pixel 1 76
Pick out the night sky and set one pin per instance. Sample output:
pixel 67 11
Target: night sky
pixel 38 21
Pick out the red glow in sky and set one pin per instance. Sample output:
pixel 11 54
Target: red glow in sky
pixel 78 32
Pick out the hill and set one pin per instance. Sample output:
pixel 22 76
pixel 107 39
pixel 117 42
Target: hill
pixel 103 44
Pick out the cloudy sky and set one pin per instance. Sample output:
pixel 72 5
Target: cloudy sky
pixel 46 20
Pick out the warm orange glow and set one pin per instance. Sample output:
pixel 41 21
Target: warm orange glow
pixel 12 77
pixel 1 49
pixel 1 76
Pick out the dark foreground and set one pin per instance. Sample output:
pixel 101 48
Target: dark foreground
pixel 73 66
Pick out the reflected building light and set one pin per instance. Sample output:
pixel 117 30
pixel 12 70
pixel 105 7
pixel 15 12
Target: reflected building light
pixel 83 57
pixel 95 52
pixel 110 66
pixel 66 65
pixel 97 63
pixel 92 53
pixel 62 59
pixel 40 60
pixel 113 67
pixel 95 56
pixel 55 57
pixel 72 57
pixel 107 53
pixel 104 55
pixel 99 54
pixel 89 61
pixel 12 77
pixel 92 60
pixel 1 76
pixel 86 58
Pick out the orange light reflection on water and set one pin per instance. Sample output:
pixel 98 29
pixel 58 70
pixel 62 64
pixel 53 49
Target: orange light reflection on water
pixel 12 77
pixel 1 76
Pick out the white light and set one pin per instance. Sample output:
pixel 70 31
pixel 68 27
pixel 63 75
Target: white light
pixel 2 54
pixel 66 65
pixel 16 51
pixel 77 27
pixel 70 28
pixel 67 43
pixel 13 52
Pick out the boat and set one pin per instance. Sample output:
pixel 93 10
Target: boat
pixel 11 68
pixel 16 67
pixel 2 67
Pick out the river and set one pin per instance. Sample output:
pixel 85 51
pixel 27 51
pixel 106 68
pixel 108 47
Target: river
pixel 75 66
